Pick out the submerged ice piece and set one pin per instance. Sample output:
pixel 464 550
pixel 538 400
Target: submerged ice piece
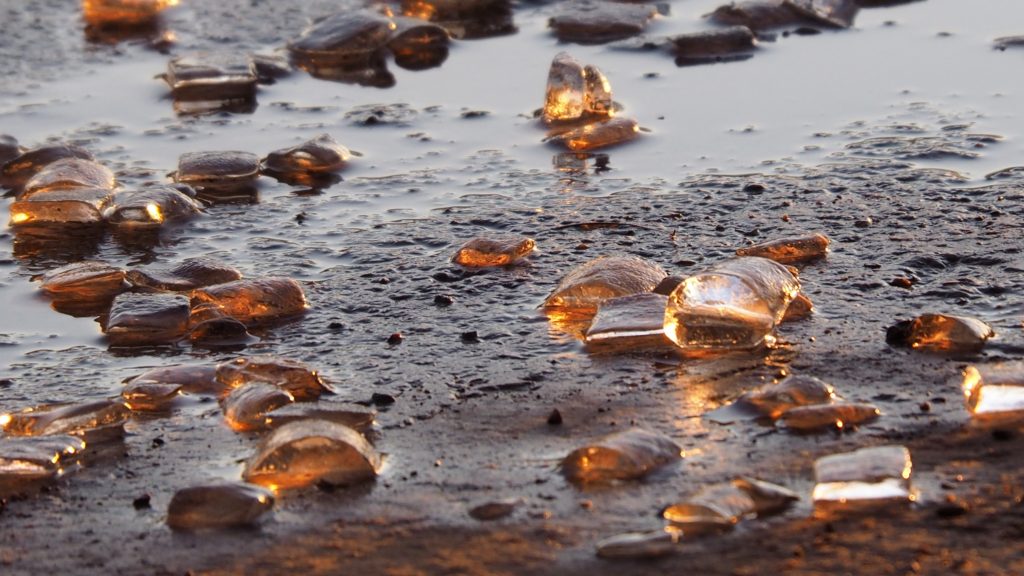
pixel 632 321
pixel 292 376
pixel 212 77
pixel 995 393
pixel 940 333
pixel 87 282
pixel 71 206
pixel 70 173
pixel 600 134
pixel 188 379
pixel 483 252
pixel 246 407
pixel 801 307
pixel 218 170
pixel 840 415
pixel 639 545
pixel 221 505
pixel 143 395
pixel 867 478
pixel 598 21
pixel 123 12
pixel 348 39
pixel 20 169
pixel 359 420
pixel 252 301
pixel 27 459
pixel 759 15
pixel 794 391
pixel 77 419
pixel 149 208
pixel 587 285
pixel 575 92
pixel 720 45
pixel 316 156
pixel 721 506
pixel 789 250
pixel 312 451
pixel 734 305
pixel 143 319
pixel 626 455
pixel 189 274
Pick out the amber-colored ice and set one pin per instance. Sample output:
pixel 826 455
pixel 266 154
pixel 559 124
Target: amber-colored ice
pixel 599 21
pixel 85 281
pixel 941 333
pixel 590 283
pixel 222 170
pixel 800 308
pixel 190 379
pixel 629 321
pixel 17 171
pixel 293 376
pixel 189 274
pixel 346 38
pixel 995 393
pixel 321 154
pixel 600 134
pixel 246 407
pixel 220 505
pixel 790 250
pixel 141 319
pixel 836 416
pixel 57 208
pixel 123 12
pixel 483 252
pixel 626 455
pixel 865 478
pixel 70 173
pixel 768 498
pixel 311 451
pixel 212 77
pixel 28 458
pixel 147 396
pixel 150 207
pixel 252 301
pixel 796 390
pixel 418 45
pixel 77 419
pixel 359 420
pixel 641 545
pixel 734 305
pixel 566 90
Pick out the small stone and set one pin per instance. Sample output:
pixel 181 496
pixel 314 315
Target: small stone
pixel 470 337
pixel 902 282
pixel 141 502
pixel 443 300
pixel 555 418
pixel 600 134
pixel 494 510
pixel 379 399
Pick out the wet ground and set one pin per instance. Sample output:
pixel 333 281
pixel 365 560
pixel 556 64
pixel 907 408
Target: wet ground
pixel 880 137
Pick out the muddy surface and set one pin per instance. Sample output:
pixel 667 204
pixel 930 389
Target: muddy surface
pixel 900 191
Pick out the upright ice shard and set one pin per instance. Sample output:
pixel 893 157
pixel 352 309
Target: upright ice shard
pixel 149 208
pixel 70 173
pixel 626 455
pixel 77 419
pixel 220 505
pixel 483 252
pixel 576 92
pixel 995 393
pixel 868 478
pixel 246 407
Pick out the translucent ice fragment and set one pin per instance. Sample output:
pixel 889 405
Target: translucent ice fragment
pixel 149 208
pixel 590 283
pixel 344 39
pixel 761 15
pixel 221 505
pixel 734 305
pixel 310 451
pixel 790 250
pixel 836 416
pixel 600 134
pixel 768 498
pixel 143 395
pixel 70 173
pixel 218 332
pixel 20 169
pixel 865 478
pixel 189 379
pixel 221 170
pixel 293 376
pixel 189 274
pixel 31 458
pixel 597 21
pixel 635 320
pixel 597 97
pixel 801 307
pixel 212 77
pixel 142 319
pixel 418 45
pixel 246 407
pixel 321 154
pixel 941 333
pixel 359 420
pixel 123 12
pixel 482 252
pixel 995 393
pixel 575 92
pixel 713 508
pixel 87 281
pixel 57 208
pixel 77 419
pixel 796 390
pixel 465 19
pixel 639 545
pixel 722 44
pixel 253 301
pixel 626 455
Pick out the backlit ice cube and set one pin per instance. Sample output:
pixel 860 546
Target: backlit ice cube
pixel 221 170
pixel 58 208
pixel 77 419
pixel 941 333
pixel 143 395
pixel 796 390
pixel 86 281
pixel 867 478
pixel 995 393
pixel 633 321
pixel 590 283
pixel 840 415
pixel 293 376
pixel 123 12
pixel 149 208
pixel 212 77
pixel 626 455
pixel 245 408
pixel 600 134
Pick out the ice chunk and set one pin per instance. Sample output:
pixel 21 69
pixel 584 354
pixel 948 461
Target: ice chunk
pixel 253 301
pixel 221 505
pixel 719 45
pixel 245 408
pixel 600 134
pixel 941 333
pixel 590 283
pixel 310 451
pixel 143 395
pixel 85 287
pixel 829 13
pixel 794 391
pixel 57 208
pixel 734 305
pixel 70 173
pixel 790 250
pixel 219 332
pixel 597 21
pixel 801 307
pixel 293 376
pixel 27 461
pixel 189 379
pixel 142 319
pixel 359 420
pixel 465 19
pixel 212 77
pixel 638 545
pixel 219 170
pixel 76 419
pixel 995 393
pixel 483 252
pixel 866 478
pixel 319 155
pixel 840 415
pixel 768 498
pixel 761 15
pixel 189 274
pixel 150 207
pixel 123 12
pixel 20 169
pixel 418 45
pixel 575 92
pixel 720 506
pixel 634 321
pixel 347 39
pixel 626 455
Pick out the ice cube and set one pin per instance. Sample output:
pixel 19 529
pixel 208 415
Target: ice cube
pixel 346 39
pixel 790 250
pixel 220 170
pixel 59 208
pixel 796 390
pixel 143 395
pixel 941 333
pixel 587 285
pixel 246 407
pixel 995 393
pixel 310 451
pixel 483 252
pixel 189 274
pixel 875 477
pixel 597 21
pixel 190 379
pixel 20 169
pixel 76 419
pixel 319 155
pixel 600 134
pixel 626 455
pixel 220 505
pixel 143 319
pixel 631 321
pixel 734 305
pixel 640 545
pixel 760 15
pixel 597 96
pixel 293 376
pixel 840 415
pixel 70 173
pixel 123 12
pixel 254 301
pixel 418 45
pixel 212 77
pixel 149 208
pixel 713 508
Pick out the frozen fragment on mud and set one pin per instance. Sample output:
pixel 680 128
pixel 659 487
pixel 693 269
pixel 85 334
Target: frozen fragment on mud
pixel 941 333
pixel 481 252
pixel 708 46
pixel 994 393
pixel 584 287
pixel 627 455
pixel 792 392
pixel 869 478
pixel 60 208
pixel 800 308
pixel 575 92
pixel 18 170
pixel 598 21
pixel 794 250
pixel 89 419
pixel 289 375
pixel 212 77
pixel 246 407
pixel 359 420
pixel 634 321
pixel 640 545
pixel 250 301
pixel 837 416
pixel 417 44
pixel 145 319
pixel 86 281
pixel 141 395
pixel 465 19
pixel 149 208
pixel 190 379
pixel 600 134
pixel 311 451
pixel 761 15
pixel 123 12
pixel 321 154
pixel 189 274
pixel 37 457
pixel 70 173
pixel 220 505
pixel 221 170
pixel 345 39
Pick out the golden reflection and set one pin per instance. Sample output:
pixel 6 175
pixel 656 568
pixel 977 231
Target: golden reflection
pixel 5 419
pixel 571 321
pixel 154 212
pixel 20 217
